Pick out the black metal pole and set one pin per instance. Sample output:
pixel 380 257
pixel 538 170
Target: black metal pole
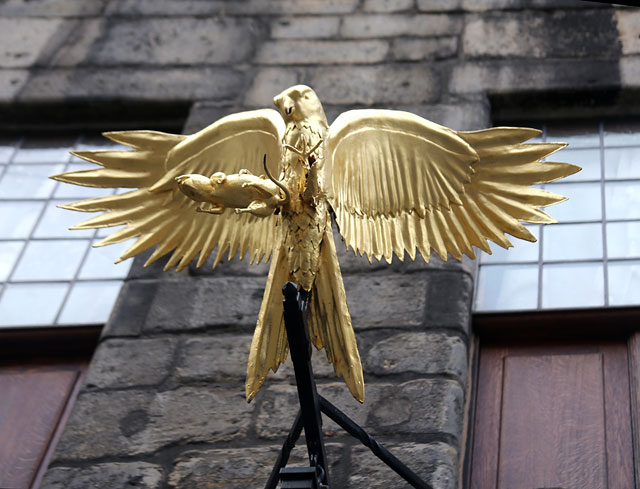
pixel 367 440
pixel 299 347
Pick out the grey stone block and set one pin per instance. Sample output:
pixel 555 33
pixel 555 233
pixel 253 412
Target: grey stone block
pixel 303 52
pixel 436 463
pixel 486 5
pixel 376 85
pixel 419 49
pixel 219 301
pixel 387 6
pixel 542 34
pixel 304 27
pixel 137 83
pixel 279 403
pixel 469 115
pixel 630 72
pixel 131 309
pixel 133 422
pixel 154 270
pixel 534 75
pixel 51 8
pixel 236 468
pixel 128 363
pixel 269 82
pixel 386 301
pixel 25 40
pixel 223 358
pixel 418 353
pixel 421 25
pixel 422 406
pixel 204 113
pixel 220 358
pixel 448 300
pixel 80 37
pixel 628 21
pixel 106 475
pixel 438 5
pixel 164 40
pixel 223 8
pixel 11 84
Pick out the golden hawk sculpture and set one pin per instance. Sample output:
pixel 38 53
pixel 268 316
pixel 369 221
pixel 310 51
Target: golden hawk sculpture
pixel 396 183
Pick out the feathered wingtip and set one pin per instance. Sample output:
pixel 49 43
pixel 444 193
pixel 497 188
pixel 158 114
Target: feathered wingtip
pixel 125 168
pixel 509 167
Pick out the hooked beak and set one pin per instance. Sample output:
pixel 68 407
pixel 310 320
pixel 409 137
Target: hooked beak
pixel 284 104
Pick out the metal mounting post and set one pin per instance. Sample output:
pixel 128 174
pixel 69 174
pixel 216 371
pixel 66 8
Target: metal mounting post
pixel 295 321
pixel 312 406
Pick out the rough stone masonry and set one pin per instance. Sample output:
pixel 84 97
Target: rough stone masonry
pixel 163 405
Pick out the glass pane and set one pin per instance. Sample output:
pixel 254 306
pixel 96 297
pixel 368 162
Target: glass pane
pixel 97 141
pixel 624 283
pixel 28 182
pixel 521 251
pixel 100 262
pixel 622 200
pixel 588 159
pixel 17 304
pixel 9 251
pixel 623 239
pixel 572 285
pixel 572 241
pixel 54 149
pixel 90 302
pixel 507 287
pixel 70 191
pixel 7 148
pixel 621 163
pixel 584 202
pixel 55 223
pixel 18 218
pixel 581 137
pixel 51 260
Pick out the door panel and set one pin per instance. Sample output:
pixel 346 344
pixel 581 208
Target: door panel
pixel 553 414
pixel 41 372
pixel 31 406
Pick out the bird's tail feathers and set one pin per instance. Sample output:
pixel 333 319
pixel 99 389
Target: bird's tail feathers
pixel 269 347
pixel 330 322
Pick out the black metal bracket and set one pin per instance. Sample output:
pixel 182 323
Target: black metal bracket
pixel 311 406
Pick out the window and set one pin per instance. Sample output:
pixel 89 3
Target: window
pixel 48 274
pixel 591 258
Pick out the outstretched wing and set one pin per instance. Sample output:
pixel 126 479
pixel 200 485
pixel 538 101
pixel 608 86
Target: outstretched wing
pixel 398 182
pixel 157 213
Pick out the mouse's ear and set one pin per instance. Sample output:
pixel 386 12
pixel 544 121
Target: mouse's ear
pixel 218 177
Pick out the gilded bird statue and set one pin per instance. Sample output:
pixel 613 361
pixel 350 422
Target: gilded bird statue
pixel 395 183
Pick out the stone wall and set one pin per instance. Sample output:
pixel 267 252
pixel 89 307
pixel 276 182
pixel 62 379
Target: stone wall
pixel 163 404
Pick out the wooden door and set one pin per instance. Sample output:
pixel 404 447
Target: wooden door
pixel 553 414
pixel 40 374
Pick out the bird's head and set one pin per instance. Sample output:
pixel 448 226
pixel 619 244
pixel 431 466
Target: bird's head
pixel 300 103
